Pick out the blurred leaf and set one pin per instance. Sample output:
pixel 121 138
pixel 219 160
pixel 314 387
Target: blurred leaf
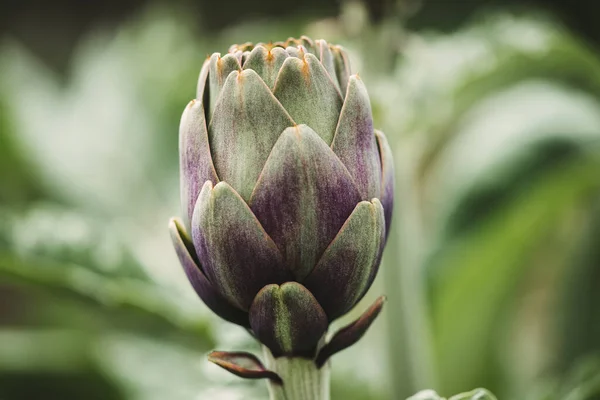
pixel 66 364
pixel 581 383
pixel 19 182
pixel 584 381
pixel 510 141
pixel 489 261
pixel 426 395
pixel 52 365
pixel 106 139
pixel 578 320
pixel 345 386
pixel 477 394
pixel 52 232
pixel 152 369
pixel 498 131
pixel 92 300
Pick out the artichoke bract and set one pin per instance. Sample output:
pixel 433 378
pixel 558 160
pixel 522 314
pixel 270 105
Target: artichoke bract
pixel 287 193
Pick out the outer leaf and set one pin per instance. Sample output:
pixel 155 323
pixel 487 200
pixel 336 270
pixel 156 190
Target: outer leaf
pixel 344 272
pixel 246 124
pixel 244 365
pixel 266 63
pixel 351 333
pixel 187 257
pixel 238 256
pixel 288 320
pixel 303 197
pixel 195 162
pixel 220 68
pixel 355 142
pixel 387 179
pixel 307 92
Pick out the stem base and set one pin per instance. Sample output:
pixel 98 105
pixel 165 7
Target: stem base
pixel 302 380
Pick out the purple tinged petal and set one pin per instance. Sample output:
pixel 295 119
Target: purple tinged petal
pixel 288 320
pixel 246 123
pixel 244 365
pixel 387 179
pixel 187 257
pixel 373 272
pixel 355 142
pixel 347 267
pixel 351 333
pixel 303 197
pixel 238 256
pixel 195 162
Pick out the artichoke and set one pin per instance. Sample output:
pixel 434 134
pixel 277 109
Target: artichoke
pixel 287 195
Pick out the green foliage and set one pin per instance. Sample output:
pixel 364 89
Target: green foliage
pixel 62 365
pixel 20 185
pixel 503 120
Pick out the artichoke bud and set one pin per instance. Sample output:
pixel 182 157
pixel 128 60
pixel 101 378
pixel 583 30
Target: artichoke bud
pixel 287 195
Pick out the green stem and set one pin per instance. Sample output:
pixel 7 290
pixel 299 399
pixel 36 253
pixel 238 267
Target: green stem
pixel 302 380
pixel 410 332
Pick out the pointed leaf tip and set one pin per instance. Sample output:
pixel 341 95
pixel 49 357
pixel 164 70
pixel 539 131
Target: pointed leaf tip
pixel 355 142
pixel 307 92
pixel 351 333
pixel 244 365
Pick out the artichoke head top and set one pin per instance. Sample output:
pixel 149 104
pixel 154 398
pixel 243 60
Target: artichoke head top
pixel 286 190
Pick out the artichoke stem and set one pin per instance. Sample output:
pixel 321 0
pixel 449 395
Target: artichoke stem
pixel 302 380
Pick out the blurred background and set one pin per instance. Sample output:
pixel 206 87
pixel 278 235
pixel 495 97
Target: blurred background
pixel 492 270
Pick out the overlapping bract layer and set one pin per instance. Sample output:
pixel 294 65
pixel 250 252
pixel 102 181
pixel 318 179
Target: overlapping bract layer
pixel 286 188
